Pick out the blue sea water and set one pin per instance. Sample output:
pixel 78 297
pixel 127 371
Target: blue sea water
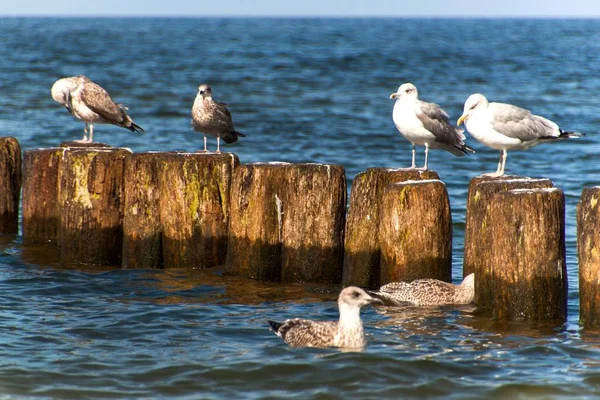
pixel 302 90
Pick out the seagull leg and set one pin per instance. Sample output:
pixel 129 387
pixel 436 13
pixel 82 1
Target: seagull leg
pixel 426 158
pixel 504 157
pixel 205 150
pixel 218 144
pixel 91 138
pixel 501 164
pixel 85 132
pixel 414 157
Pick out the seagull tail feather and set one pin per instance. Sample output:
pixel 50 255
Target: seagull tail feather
pixel 233 137
pixel 275 326
pixel 566 135
pixel 135 127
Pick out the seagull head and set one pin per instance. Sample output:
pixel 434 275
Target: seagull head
pixel 475 101
pixel 355 297
pixel 204 91
pixel 62 89
pixel 406 90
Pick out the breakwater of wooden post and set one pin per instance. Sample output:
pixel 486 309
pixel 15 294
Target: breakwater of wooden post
pixel 588 252
pixel 362 244
pixel 10 184
pixel 287 222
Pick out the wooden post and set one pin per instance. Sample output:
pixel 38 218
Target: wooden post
pixel 286 222
pixel 256 223
pixel 362 253
pixel 40 195
pixel 90 200
pixel 588 251
pixel 142 231
pixel 528 255
pixel 10 184
pixel 415 232
pixel 194 207
pixel 314 209
pixel 479 234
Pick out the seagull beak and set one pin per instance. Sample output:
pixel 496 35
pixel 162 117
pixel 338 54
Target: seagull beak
pixel 394 96
pixel 375 300
pixel 462 119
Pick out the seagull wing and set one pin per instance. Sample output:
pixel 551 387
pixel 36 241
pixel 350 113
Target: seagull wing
pixel 518 123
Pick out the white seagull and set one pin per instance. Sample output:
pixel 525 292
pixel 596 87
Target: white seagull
pixel 506 127
pixel 347 332
pixel 89 102
pixel 425 124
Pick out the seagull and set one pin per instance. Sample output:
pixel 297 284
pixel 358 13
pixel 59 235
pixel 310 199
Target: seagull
pixel 428 292
pixel 506 127
pixel 347 332
pixel 89 102
pixel 425 124
pixel 213 118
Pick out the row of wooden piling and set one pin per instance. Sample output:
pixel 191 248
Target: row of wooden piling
pixel 287 222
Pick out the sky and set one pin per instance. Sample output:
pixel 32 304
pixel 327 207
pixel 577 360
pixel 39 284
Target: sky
pixel 392 8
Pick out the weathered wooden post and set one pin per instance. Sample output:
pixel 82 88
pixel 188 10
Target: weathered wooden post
pixel 90 200
pixel 10 184
pixel 287 222
pixel 194 207
pixel 256 224
pixel 314 209
pixel 479 234
pixel 362 253
pixel 142 230
pixel 528 255
pixel 40 195
pixel 588 251
pixel 415 232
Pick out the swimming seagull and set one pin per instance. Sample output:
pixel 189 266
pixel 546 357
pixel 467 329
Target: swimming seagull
pixel 425 124
pixel 213 118
pixel 506 127
pixel 429 292
pixel 92 104
pixel 347 332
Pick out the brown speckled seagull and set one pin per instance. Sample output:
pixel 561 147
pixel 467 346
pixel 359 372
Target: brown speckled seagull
pixel 90 103
pixel 347 332
pixel 428 292
pixel 212 118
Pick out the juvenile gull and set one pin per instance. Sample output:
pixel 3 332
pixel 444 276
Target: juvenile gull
pixel 425 124
pixel 89 102
pixel 347 332
pixel 506 127
pixel 429 292
pixel 213 118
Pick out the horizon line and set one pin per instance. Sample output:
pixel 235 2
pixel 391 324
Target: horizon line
pixel 306 16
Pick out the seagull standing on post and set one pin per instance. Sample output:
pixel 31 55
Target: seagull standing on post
pixel 89 102
pixel 212 118
pixel 506 127
pixel 425 124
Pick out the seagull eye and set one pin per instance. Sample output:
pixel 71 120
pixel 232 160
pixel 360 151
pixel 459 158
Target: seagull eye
pixel 355 295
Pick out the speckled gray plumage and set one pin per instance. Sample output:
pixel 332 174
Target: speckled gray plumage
pixel 211 117
pixel 429 292
pixel 90 103
pixel 347 332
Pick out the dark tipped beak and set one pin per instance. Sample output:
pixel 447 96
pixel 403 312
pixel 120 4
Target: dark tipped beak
pixel 375 300
pixel 68 108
